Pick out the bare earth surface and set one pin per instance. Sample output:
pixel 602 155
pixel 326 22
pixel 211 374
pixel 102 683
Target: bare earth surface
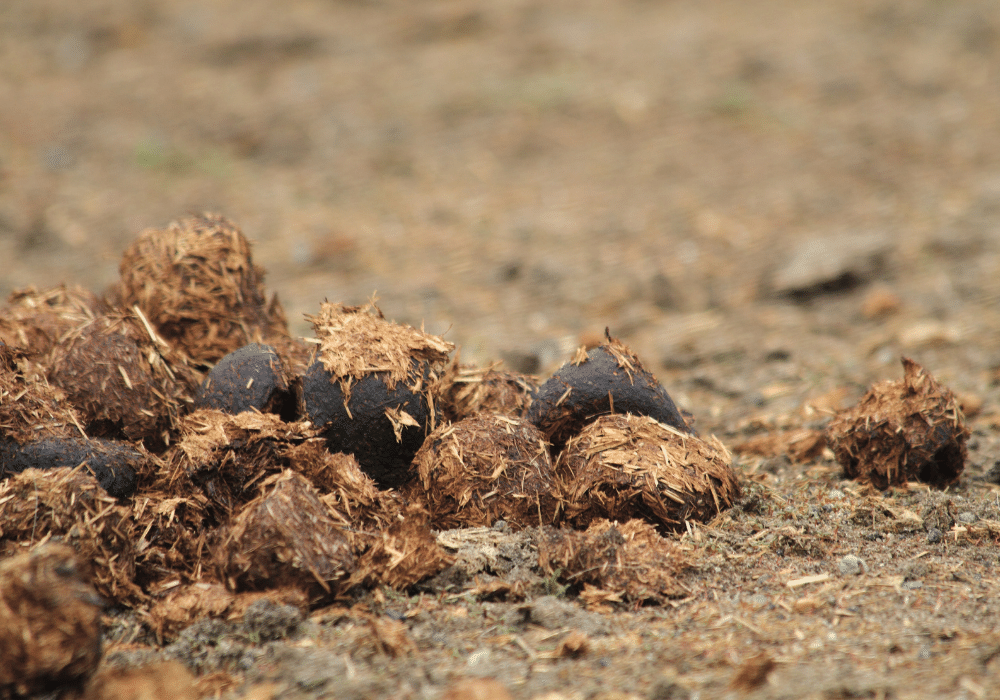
pixel 770 202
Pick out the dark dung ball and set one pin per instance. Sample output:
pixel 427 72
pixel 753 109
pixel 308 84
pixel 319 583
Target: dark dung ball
pixel 113 464
pixel 382 423
pixel 608 379
pixel 251 378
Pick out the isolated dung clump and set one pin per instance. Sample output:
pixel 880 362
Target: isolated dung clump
pixel 622 467
pixel 608 379
pixel 251 378
pixel 468 390
pixel 630 561
pixel 120 380
pixel 69 505
pixel 34 320
pixel 487 468
pixel 285 537
pixel 50 622
pixel 900 431
pixel 197 284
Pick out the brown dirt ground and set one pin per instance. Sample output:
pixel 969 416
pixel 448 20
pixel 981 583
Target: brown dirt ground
pixel 518 175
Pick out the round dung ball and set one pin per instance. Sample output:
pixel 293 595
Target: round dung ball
pixel 251 378
pixel 380 421
pixel 487 468
pixel 608 379
pixel 116 377
pixel 625 466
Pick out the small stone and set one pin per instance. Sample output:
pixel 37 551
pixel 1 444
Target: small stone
pixel 851 565
pixel 831 263
pixel 934 535
pixel 993 473
pixel 967 518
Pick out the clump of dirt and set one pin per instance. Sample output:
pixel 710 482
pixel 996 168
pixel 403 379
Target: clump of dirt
pixel 900 431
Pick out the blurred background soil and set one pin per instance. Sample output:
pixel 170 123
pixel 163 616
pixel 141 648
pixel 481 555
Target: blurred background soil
pixel 769 201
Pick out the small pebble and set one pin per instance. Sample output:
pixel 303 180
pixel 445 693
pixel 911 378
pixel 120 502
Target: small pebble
pixel 835 493
pixel 992 475
pixel 934 535
pixel 912 585
pixel 967 517
pixel 851 565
